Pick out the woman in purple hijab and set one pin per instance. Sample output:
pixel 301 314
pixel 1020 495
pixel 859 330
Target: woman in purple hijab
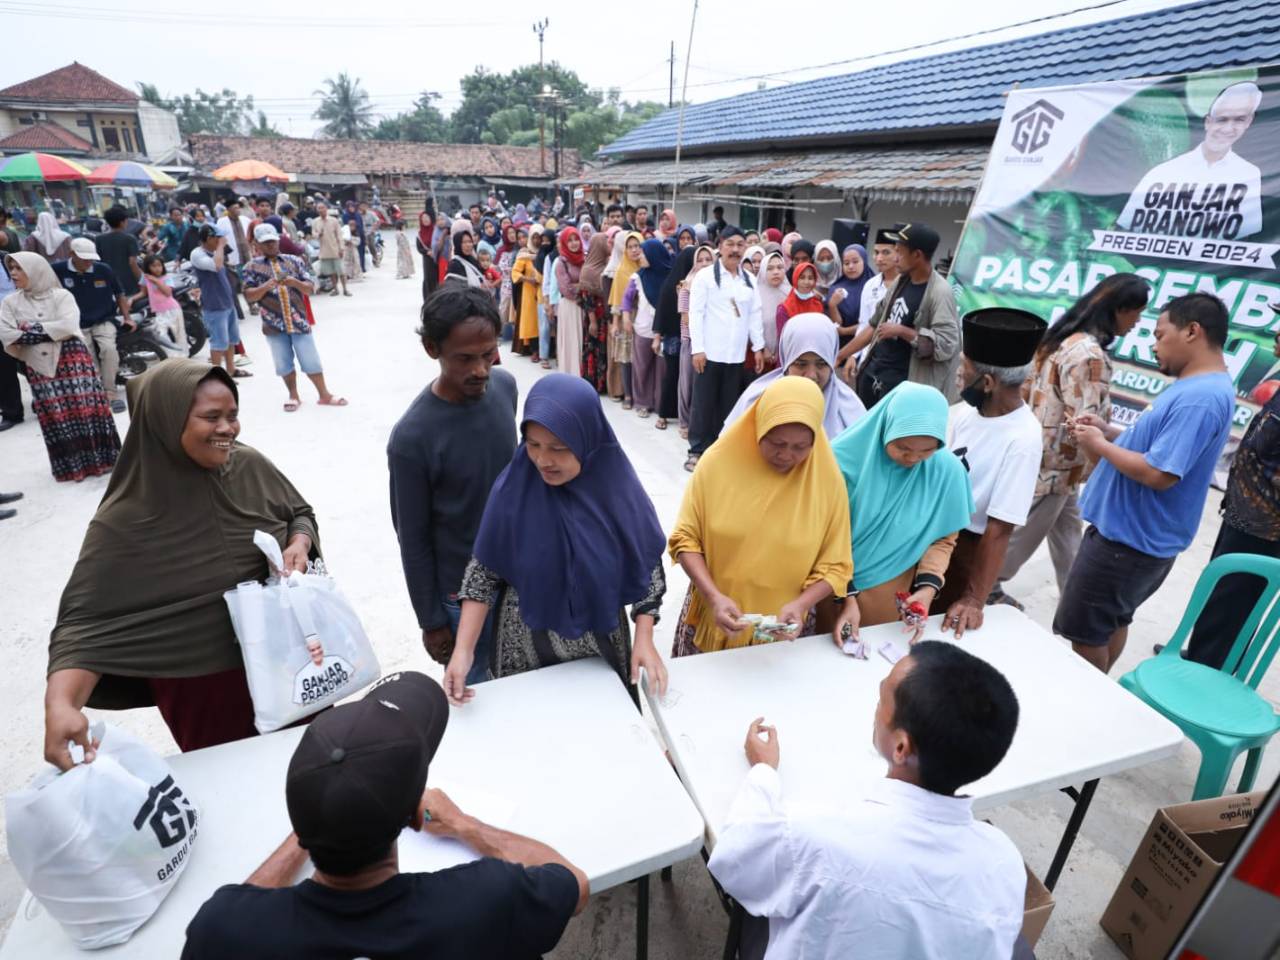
pixel 568 540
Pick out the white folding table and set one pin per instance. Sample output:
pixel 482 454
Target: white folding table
pixel 562 753
pixel 1075 724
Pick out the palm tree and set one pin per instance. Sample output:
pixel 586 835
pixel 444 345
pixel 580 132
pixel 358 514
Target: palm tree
pixel 345 109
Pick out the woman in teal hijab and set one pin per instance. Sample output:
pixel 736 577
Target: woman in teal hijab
pixel 909 497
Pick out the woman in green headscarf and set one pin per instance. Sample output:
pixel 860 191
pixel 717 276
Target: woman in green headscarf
pixel 908 499
pixel 142 620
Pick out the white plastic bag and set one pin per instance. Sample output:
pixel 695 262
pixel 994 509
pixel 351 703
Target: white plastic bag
pixel 101 845
pixel 303 645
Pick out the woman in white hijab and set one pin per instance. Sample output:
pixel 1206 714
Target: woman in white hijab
pixel 826 257
pixel 773 287
pixel 40 326
pixel 808 348
pixel 48 239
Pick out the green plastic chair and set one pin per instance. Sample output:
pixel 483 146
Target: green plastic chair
pixel 1219 710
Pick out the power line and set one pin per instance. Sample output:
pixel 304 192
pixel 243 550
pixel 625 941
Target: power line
pixel 120 15
pixel 885 53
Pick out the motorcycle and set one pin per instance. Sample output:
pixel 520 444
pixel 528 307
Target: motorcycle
pixel 148 342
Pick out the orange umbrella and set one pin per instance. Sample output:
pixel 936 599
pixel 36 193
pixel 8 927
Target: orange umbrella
pixel 251 170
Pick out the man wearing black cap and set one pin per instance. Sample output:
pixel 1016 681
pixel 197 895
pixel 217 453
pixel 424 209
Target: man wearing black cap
pixel 915 332
pixel 997 438
pixel 355 781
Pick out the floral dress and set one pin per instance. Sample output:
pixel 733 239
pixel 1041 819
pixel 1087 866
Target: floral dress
pixel 517 648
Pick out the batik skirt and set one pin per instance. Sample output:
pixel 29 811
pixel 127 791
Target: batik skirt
pixel 79 431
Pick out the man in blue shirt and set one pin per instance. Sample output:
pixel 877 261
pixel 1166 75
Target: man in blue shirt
pixel 1145 498
pixel 98 294
pixel 217 297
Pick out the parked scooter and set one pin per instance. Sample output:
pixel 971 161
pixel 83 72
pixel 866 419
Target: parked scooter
pixel 148 342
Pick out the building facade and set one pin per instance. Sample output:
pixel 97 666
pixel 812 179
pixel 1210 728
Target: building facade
pixel 77 112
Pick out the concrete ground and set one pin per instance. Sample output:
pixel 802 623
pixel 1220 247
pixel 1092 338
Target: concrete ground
pixel 336 458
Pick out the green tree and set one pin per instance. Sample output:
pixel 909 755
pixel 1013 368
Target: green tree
pixel 263 127
pixel 423 124
pixel 485 93
pixel 223 113
pixel 345 108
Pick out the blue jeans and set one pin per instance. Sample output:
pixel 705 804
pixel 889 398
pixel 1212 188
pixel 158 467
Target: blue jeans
pixel 544 333
pixel 284 346
pixel 223 329
pixel 479 672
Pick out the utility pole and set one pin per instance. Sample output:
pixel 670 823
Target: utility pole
pixel 671 83
pixel 540 27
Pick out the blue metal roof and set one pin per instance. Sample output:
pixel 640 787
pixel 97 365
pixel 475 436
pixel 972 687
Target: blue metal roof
pixel 965 88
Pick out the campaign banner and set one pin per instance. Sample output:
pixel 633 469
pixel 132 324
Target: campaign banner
pixel 1172 178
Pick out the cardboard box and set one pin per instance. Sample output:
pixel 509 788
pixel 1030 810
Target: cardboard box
pixel 1183 850
pixel 1036 909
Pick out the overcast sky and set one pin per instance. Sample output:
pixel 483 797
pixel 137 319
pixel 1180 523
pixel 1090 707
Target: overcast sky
pixel 404 47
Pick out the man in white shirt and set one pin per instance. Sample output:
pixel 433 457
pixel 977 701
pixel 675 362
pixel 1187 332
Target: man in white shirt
pixel 234 225
pixel 724 314
pixel 903 870
pixel 1210 191
pixel 884 255
pixel 998 439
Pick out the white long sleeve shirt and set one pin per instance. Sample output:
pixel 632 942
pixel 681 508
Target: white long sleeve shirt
pixel 899 872
pixel 235 256
pixel 717 327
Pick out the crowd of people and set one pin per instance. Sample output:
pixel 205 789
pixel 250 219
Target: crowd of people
pixel 65 300
pixel 907 459
pixel 699 323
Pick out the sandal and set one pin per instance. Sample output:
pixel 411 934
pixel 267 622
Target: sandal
pixel 684 433
pixel 691 462
pixel 627 404
pixel 643 413
pixel 661 424
pixel 291 405
pixel 546 364
pixel 241 374
pixel 333 402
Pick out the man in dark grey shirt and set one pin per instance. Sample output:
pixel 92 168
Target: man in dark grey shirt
pixel 444 455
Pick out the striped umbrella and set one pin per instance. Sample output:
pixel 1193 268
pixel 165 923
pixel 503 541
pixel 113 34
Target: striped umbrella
pixel 38 167
pixel 127 173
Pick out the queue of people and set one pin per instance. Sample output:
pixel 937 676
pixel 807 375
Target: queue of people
pixel 530 543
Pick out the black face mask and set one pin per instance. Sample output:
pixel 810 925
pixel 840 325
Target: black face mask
pixel 974 395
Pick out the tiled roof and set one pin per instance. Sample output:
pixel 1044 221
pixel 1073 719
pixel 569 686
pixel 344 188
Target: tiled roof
pixel 49 137
pixel 73 83
pixel 965 88
pixel 378 157
pixel 940 174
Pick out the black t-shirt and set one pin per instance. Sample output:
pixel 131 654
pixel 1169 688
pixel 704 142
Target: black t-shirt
pixel 484 909
pixel 115 248
pixel 891 359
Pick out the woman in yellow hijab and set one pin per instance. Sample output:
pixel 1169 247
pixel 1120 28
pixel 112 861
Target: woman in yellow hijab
pixel 764 526
pixel 526 279
pixel 632 259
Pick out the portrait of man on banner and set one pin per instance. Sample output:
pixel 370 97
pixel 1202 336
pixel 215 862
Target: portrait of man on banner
pixel 1210 192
